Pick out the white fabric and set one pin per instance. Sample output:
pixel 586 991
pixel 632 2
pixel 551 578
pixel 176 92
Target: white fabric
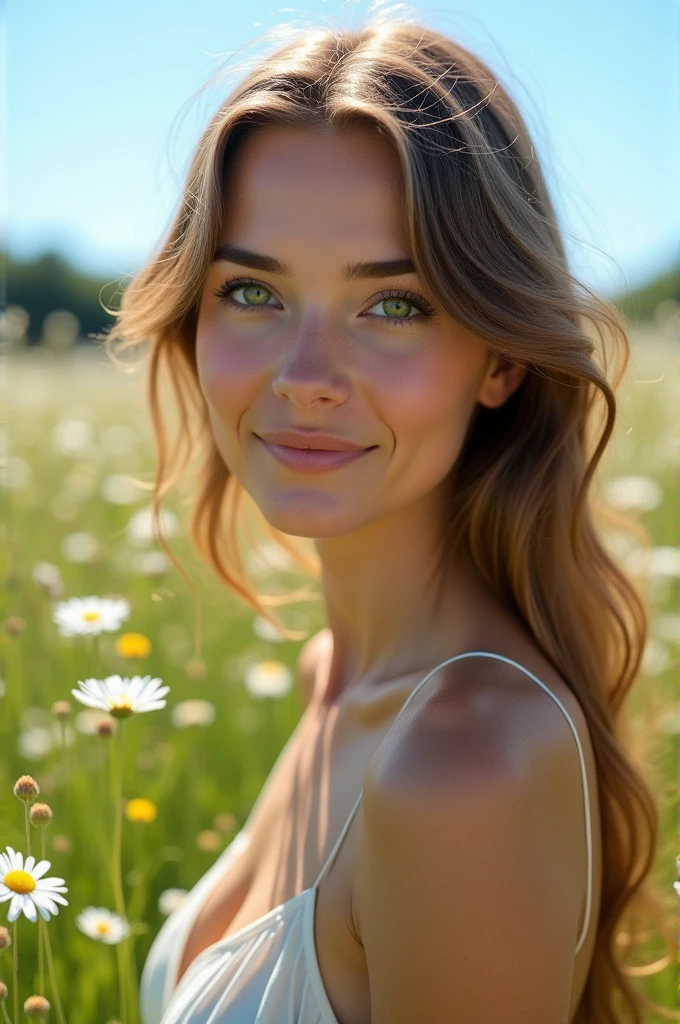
pixel 268 972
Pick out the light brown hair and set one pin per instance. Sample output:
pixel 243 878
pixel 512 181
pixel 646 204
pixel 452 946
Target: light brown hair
pixel 483 234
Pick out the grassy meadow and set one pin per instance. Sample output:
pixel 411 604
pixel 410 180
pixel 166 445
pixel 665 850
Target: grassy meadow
pixel 78 430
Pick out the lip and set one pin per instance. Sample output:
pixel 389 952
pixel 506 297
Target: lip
pixel 312 460
pixel 311 438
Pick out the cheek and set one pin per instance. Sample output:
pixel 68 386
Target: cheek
pixel 227 371
pixel 427 402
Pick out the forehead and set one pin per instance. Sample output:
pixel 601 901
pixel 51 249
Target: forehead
pixel 294 182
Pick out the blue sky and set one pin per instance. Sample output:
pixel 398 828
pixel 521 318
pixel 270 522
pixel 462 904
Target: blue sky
pixel 103 112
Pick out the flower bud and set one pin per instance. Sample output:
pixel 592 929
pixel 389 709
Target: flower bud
pixel 40 815
pixel 61 709
pixel 36 1007
pixel 26 789
pixel 5 940
pixel 3 991
pixel 14 625
pixel 106 728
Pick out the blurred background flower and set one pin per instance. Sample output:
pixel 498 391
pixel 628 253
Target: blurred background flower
pixel 193 712
pixel 139 809
pixel 268 679
pixel 102 925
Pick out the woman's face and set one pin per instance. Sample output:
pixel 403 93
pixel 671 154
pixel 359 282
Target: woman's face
pixel 368 358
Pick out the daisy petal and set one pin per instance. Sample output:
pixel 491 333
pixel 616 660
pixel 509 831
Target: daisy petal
pixel 15 859
pixel 160 692
pixel 14 908
pixel 30 862
pixel 29 909
pixel 135 688
pixel 91 686
pixel 56 898
pixel 48 883
pixel 91 702
pixel 45 905
pixel 40 868
pixel 154 706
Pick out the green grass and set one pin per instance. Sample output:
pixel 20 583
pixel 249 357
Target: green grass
pixel 192 778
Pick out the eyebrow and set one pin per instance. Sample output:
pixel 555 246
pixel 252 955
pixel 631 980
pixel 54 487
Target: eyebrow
pixel 350 272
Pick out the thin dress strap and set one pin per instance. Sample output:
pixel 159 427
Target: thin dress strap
pixel 510 661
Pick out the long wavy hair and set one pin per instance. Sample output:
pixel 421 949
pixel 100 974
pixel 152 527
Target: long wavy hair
pixel 484 235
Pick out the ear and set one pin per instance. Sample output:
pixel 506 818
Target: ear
pixel 501 379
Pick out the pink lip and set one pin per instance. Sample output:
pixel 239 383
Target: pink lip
pixel 312 460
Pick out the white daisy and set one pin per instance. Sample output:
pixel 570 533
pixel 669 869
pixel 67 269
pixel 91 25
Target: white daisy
pixel 140 526
pixel 80 546
pixel 193 712
pixel 90 615
pixel 170 900
pixel 122 697
pixel 268 679
pixel 28 891
pixel 152 563
pixel 73 437
pixel 102 925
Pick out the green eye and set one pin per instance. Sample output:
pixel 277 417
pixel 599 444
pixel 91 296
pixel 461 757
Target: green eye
pixel 396 303
pixel 256 293
pixel 395 307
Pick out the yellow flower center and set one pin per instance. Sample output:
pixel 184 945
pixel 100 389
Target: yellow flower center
pixel 19 881
pixel 120 707
pixel 102 927
pixel 141 809
pixel 91 616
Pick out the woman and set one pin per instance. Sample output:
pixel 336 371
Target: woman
pixel 364 304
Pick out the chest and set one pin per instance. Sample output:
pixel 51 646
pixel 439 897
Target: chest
pixel 303 808
pixel 306 809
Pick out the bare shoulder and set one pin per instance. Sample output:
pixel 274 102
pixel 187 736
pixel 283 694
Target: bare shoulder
pixel 469 882
pixel 481 720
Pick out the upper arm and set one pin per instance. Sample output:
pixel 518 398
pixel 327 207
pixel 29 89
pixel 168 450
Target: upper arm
pixel 469 888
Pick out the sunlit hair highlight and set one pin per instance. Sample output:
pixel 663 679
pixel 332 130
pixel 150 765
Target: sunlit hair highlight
pixel 483 233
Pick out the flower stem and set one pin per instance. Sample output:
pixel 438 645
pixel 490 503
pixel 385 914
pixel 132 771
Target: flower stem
pixel 15 970
pixel 5 1014
pixel 118 894
pixel 28 830
pixel 50 964
pixel 41 944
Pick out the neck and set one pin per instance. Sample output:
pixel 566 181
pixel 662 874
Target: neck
pixel 392 605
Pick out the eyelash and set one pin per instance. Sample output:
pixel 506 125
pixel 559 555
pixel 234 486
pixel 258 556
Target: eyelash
pixel 223 293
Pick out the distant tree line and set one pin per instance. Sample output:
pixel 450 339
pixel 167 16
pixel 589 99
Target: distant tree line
pixel 48 282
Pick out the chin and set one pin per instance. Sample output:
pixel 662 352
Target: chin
pixel 313 521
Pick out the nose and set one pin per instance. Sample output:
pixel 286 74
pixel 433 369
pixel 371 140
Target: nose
pixel 313 366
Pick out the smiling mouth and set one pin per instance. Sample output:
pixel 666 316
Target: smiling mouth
pixel 312 460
